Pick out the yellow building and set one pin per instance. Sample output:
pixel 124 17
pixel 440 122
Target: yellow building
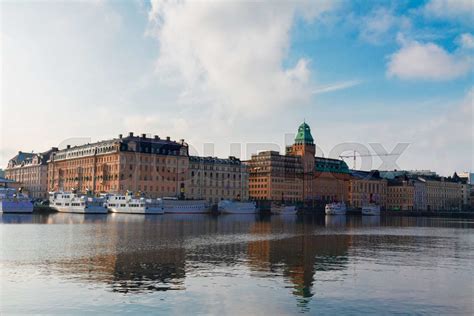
pixel 367 187
pixel 276 177
pixel 400 195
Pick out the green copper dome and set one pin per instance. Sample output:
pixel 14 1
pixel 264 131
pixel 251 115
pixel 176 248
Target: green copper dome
pixel 304 135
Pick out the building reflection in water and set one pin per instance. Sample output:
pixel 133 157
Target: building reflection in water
pixel 135 254
pixel 298 257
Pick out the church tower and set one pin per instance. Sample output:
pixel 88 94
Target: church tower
pixel 304 147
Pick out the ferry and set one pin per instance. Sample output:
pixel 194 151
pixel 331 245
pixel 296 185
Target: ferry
pixel 282 209
pixel 371 209
pixel 236 207
pixel 13 201
pixel 335 208
pixel 69 202
pixel 175 206
pixel 129 204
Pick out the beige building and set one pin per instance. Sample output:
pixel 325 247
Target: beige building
pixel 400 195
pixel 31 171
pixel 214 179
pixel 276 177
pixel 367 187
pixel 443 194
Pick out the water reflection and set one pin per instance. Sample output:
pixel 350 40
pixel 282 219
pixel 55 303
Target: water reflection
pixel 132 255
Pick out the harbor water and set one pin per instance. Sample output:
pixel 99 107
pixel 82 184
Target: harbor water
pixel 235 264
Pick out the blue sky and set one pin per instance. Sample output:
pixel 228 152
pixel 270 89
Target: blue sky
pixel 236 72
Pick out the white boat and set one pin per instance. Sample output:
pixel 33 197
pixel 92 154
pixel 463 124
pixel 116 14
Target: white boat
pixel 282 209
pixel 236 207
pixel 68 202
pixel 129 204
pixel 371 209
pixel 12 201
pixel 173 205
pixel 335 209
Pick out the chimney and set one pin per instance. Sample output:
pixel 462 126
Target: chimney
pixel 120 136
pixel 157 137
pixel 181 141
pixel 143 135
pixel 168 138
pixel 68 146
pixel 130 134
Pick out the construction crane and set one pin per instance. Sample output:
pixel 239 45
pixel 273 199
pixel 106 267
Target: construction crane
pixel 354 156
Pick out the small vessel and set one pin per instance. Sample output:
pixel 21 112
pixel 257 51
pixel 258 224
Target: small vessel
pixel 70 202
pixel 371 209
pixel 176 206
pixel 13 201
pixel 236 207
pixel 282 209
pixel 335 208
pixel 128 204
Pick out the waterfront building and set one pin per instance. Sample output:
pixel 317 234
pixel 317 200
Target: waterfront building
pixel 366 187
pixel 400 194
pixel 2 173
pixel 277 177
pixel 324 179
pixel 443 193
pixel 330 181
pixel 214 179
pixel 419 191
pixel 31 170
pixel 467 183
pixel 298 175
pixel 154 166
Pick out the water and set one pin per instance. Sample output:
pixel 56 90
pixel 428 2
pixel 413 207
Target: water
pixel 235 264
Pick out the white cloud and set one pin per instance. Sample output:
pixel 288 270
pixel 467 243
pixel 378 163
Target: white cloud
pixel 231 54
pixel 466 41
pixel 375 27
pixel 458 10
pixel 415 60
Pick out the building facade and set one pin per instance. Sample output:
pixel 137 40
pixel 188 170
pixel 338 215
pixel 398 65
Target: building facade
pixel 367 187
pixel 400 194
pixel 214 179
pixel 154 166
pixel 31 171
pixel 275 177
pixel 298 175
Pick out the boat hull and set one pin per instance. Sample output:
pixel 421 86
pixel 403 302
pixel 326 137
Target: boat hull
pixel 236 208
pixel 284 210
pixel 81 210
pixel 335 212
pixel 7 206
pixel 136 210
pixel 185 207
pixel 371 211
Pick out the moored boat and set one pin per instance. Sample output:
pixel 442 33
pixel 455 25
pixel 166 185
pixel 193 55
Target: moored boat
pixel 335 208
pixel 236 207
pixel 371 209
pixel 176 206
pixel 282 209
pixel 68 202
pixel 128 204
pixel 13 201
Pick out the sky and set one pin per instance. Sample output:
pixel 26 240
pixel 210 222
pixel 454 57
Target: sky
pixel 238 77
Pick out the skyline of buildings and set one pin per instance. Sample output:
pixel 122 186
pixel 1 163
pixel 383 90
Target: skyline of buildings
pixel 160 167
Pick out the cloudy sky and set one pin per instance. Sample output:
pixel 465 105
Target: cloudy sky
pixel 230 73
